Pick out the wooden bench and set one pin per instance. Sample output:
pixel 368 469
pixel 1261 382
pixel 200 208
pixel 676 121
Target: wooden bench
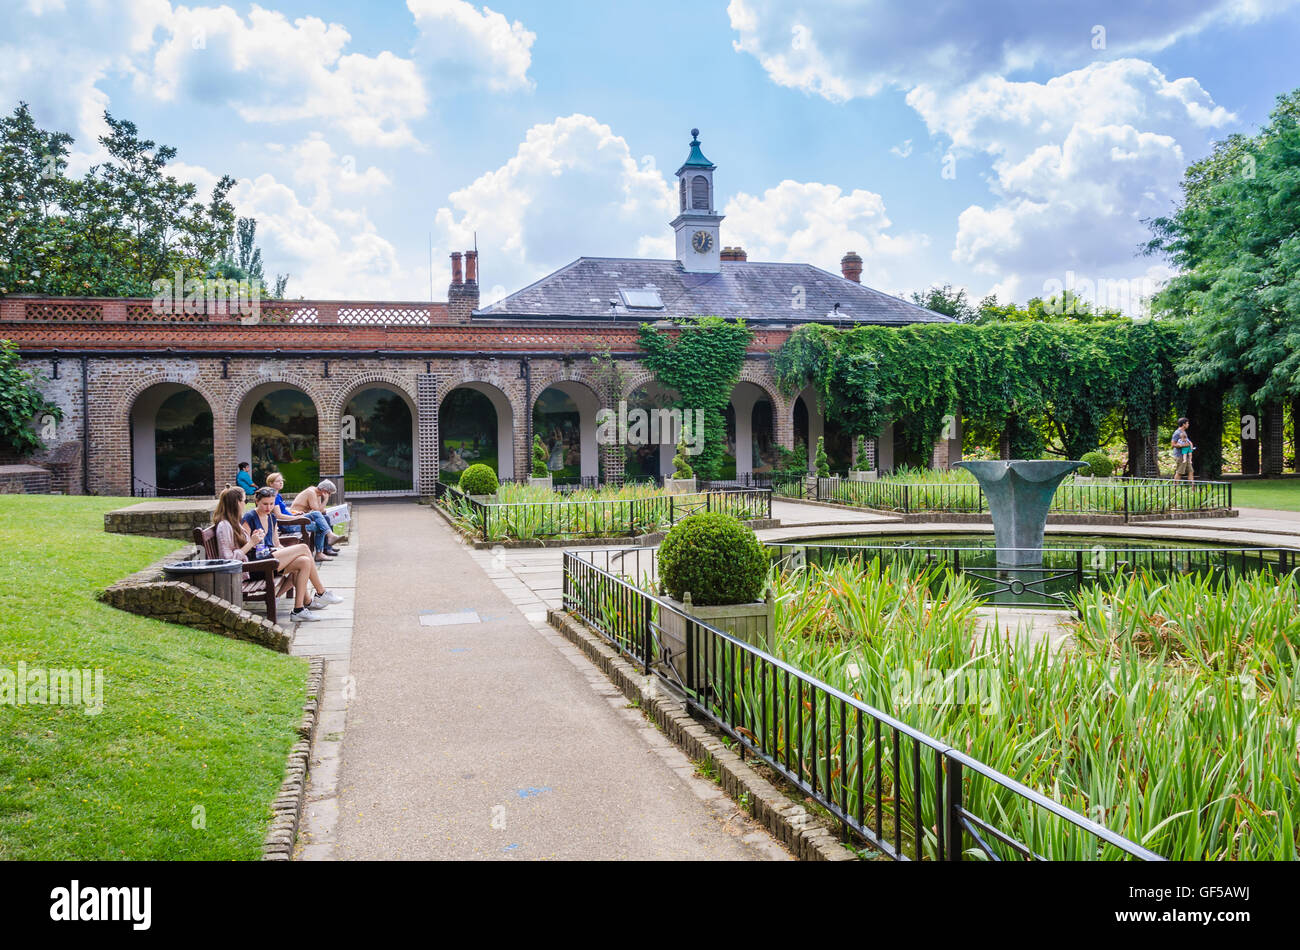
pixel 260 579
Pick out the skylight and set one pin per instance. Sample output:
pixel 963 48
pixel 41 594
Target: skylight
pixel 645 298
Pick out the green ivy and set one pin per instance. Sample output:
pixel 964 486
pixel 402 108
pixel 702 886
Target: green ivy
pixel 1031 382
pixel 701 362
pixel 21 402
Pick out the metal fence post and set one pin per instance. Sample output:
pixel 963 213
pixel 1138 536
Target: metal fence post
pixel 647 606
pixel 1126 504
pixel 952 810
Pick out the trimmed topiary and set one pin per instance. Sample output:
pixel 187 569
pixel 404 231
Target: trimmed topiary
pixel 820 460
pixel 540 458
pixel 681 467
pixel 479 479
pixel 1098 464
pixel 716 558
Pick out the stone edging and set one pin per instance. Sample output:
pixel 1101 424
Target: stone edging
pixel 640 540
pixel 788 821
pixel 288 804
pixel 147 593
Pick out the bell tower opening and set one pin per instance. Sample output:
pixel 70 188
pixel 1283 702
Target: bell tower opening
pixel 699 247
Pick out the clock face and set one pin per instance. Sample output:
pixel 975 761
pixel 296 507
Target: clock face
pixel 702 241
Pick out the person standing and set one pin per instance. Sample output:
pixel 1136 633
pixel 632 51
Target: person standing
pixel 1183 449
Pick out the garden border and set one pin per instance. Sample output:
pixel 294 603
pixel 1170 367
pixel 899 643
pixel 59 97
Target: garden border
pixel 287 807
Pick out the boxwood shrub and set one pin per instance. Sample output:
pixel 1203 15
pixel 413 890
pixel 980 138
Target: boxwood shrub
pixel 479 479
pixel 715 557
pixel 1098 464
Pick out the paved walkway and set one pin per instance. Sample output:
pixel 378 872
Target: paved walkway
pixel 478 732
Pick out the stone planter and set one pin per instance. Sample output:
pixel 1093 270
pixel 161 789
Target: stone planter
pixel 753 622
pixel 679 486
pixel 545 482
pixel 864 475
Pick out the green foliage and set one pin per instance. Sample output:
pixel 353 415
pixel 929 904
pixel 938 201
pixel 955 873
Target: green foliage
pixel 820 460
pixel 540 458
pixel 20 404
pixel 701 362
pixel 1234 244
pixel 682 467
pixel 715 557
pixel 479 479
pixel 124 224
pixel 1032 381
pixel 1098 463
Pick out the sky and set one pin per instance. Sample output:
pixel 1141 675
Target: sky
pixel 1012 147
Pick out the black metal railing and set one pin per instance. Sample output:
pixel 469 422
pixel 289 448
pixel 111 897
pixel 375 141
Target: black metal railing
pixel 906 794
pixel 1127 497
pixel 1055 582
pixel 600 519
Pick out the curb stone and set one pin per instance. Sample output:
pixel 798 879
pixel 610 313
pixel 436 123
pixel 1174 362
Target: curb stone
pixel 288 803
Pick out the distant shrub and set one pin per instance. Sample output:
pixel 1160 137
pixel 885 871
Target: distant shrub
pixel 715 557
pixel 540 458
pixel 479 479
pixel 1098 464
pixel 681 467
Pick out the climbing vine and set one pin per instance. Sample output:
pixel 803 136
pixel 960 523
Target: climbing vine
pixel 701 361
pixel 1067 385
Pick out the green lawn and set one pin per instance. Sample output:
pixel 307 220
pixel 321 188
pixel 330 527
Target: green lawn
pixel 194 729
pixel 1281 494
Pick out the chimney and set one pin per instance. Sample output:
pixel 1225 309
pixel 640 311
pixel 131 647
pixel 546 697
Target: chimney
pixel 462 295
pixel 851 266
pixel 733 254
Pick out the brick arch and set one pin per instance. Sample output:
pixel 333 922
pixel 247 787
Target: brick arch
pixel 126 402
pixel 543 383
pixel 636 382
pixel 308 386
pixel 354 385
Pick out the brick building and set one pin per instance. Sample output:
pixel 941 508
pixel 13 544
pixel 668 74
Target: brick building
pixel 157 400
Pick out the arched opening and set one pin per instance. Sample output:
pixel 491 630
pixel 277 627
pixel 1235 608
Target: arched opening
pixel 699 193
pixel 751 434
pixel 564 417
pixel 378 435
pixel 475 425
pixel 650 432
pixel 277 429
pixel 171 443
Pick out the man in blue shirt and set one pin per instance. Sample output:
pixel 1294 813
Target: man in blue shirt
pixel 244 479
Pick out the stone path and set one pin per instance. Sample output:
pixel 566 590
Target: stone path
pixel 477 732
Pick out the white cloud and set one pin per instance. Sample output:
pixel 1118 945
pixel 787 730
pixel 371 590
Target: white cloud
pixel 270 70
pixel 1078 163
pixel 572 188
pixel 904 150
pixel 841 49
pixel 814 223
pixel 458 44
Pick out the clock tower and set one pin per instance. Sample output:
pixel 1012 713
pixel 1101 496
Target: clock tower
pixel 698 247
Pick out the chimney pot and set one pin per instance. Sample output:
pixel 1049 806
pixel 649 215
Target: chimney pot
pixel 851 266
pixel 456 280
pixel 471 267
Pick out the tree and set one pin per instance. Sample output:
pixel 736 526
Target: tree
pixel 124 224
pixel 21 402
pixel 948 300
pixel 1234 242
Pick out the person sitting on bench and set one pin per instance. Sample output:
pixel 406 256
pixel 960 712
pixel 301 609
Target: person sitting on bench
pixel 312 503
pixel 282 513
pixel 240 535
pixel 244 479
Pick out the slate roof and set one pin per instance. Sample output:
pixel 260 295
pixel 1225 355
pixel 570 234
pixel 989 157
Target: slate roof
pixel 751 290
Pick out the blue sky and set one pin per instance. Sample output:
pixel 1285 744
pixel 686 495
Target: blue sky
pixel 552 129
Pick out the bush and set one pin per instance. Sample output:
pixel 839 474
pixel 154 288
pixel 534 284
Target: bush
pixel 820 460
pixel 681 467
pixel 716 558
pixel 1098 464
pixel 479 479
pixel 540 458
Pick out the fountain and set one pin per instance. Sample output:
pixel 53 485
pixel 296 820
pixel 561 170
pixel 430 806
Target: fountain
pixel 1020 494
